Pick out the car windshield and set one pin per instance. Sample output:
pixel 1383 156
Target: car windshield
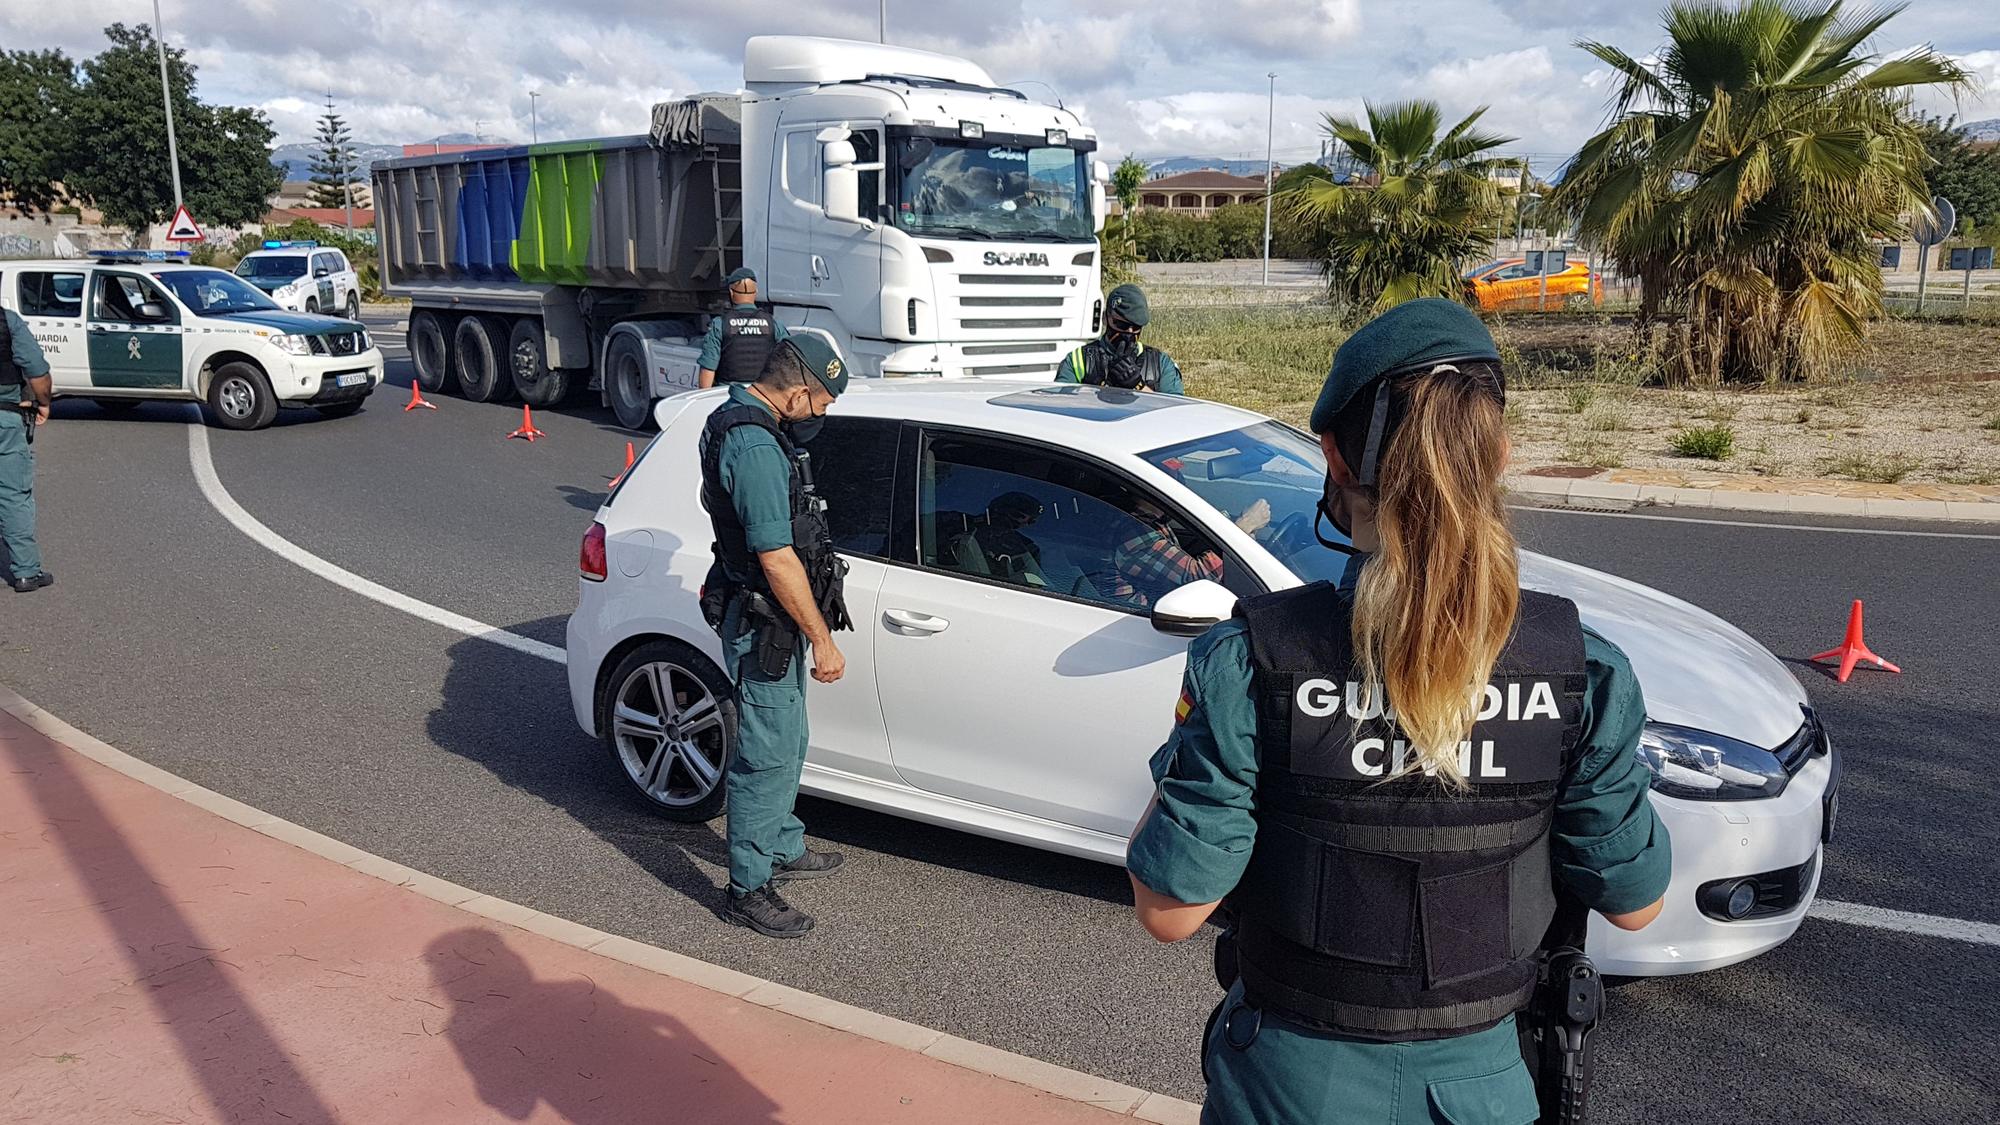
pixel 975 189
pixel 275 267
pixel 213 292
pixel 1273 463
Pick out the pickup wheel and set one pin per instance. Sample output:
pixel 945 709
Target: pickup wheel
pixel 527 364
pixel 241 397
pixel 626 383
pixel 429 350
pixel 666 716
pixel 477 349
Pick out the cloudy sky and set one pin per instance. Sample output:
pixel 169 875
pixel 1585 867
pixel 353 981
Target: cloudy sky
pixel 1165 78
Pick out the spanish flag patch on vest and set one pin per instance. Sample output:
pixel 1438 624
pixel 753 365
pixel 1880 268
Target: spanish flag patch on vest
pixel 1182 708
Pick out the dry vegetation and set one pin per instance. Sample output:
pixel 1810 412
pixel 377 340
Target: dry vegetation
pixel 1923 405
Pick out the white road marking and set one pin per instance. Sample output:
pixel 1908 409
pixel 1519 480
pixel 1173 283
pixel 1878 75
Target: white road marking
pixel 1927 925
pixel 1629 515
pixel 219 498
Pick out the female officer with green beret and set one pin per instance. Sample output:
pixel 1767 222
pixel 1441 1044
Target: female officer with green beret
pixel 1391 779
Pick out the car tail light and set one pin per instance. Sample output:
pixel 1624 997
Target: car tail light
pixel 591 559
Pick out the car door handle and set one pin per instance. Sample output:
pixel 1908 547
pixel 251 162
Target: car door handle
pixel 915 622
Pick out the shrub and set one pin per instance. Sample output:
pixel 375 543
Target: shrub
pixel 1708 443
pixel 1873 470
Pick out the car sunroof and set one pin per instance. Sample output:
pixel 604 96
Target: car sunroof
pixel 1095 404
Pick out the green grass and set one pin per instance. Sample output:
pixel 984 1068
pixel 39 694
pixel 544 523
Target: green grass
pixel 1993 423
pixel 1589 449
pixel 1579 398
pixel 1707 443
pixel 1885 469
pixel 1270 361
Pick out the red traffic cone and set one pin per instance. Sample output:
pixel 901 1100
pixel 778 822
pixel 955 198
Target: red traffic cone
pixel 417 399
pixel 1853 650
pixel 527 429
pixel 629 458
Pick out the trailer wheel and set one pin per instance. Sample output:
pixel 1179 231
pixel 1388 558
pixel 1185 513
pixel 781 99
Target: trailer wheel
pixel 429 350
pixel 626 383
pixel 527 364
pixel 476 348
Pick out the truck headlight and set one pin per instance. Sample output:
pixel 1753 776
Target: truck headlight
pixel 1700 766
pixel 292 345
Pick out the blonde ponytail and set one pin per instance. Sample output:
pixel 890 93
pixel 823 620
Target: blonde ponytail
pixel 1436 603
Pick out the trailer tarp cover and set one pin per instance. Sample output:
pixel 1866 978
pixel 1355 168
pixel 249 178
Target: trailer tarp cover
pixel 702 119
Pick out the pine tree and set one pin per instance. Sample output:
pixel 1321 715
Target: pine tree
pixel 335 167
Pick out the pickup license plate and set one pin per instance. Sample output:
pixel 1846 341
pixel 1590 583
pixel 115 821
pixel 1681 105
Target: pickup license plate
pixel 353 380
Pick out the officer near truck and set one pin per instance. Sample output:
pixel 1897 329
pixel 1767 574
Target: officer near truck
pixel 1117 358
pixel 25 393
pixel 740 340
pixel 1410 786
pixel 774 596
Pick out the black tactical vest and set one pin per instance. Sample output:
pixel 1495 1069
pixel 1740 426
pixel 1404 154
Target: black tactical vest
pixel 811 537
pixel 1103 367
pixel 1387 907
pixel 748 334
pixel 12 383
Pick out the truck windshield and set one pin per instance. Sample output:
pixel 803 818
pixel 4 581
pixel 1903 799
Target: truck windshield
pixel 977 189
pixel 285 267
pixel 213 292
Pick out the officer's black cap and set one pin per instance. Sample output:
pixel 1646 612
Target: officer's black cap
pixel 738 275
pixel 820 358
pixel 1414 335
pixel 1128 303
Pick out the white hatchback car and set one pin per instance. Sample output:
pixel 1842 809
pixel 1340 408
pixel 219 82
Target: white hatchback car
pixel 1005 678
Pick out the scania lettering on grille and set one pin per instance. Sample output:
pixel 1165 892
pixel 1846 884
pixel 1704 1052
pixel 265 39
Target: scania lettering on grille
pixel 1024 258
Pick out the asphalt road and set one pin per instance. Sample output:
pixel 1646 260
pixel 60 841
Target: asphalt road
pixel 176 638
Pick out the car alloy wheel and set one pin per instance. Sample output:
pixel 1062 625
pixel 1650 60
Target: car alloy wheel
pixel 237 398
pixel 667 728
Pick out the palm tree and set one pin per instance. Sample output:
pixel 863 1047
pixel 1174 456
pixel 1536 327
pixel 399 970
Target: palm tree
pixel 1744 175
pixel 1428 205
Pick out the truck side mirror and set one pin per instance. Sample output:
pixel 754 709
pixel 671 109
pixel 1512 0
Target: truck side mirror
pixel 1098 204
pixel 1100 172
pixel 841 184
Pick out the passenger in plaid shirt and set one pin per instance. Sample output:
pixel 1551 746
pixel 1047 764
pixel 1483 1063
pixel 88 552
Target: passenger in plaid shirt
pixel 1152 563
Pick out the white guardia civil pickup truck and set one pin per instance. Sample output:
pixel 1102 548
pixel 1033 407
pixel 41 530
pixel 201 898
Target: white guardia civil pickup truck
pixel 1021 698
pixel 124 327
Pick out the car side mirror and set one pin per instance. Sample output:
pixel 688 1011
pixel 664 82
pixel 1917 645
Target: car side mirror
pixel 1191 610
pixel 322 271
pixel 152 310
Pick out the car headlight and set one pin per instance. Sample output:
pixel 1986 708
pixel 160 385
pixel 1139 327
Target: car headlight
pixel 1701 766
pixel 292 345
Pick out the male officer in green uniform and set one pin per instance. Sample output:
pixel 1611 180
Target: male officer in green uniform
pixel 1118 359
pixel 740 340
pixel 25 391
pixel 1225 791
pixel 774 596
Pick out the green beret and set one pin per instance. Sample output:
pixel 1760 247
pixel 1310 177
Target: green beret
pixel 1414 334
pixel 740 273
pixel 1129 302
pixel 821 359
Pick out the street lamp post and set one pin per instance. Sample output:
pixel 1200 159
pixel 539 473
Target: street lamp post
pixel 1270 177
pixel 534 119
pixel 167 100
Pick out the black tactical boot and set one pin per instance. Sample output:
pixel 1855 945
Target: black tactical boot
pixel 762 910
pixel 33 582
pixel 809 865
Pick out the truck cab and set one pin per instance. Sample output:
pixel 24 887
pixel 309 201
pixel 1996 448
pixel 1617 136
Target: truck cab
pixel 933 222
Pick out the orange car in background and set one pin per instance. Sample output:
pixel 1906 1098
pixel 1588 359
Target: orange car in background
pixel 1510 284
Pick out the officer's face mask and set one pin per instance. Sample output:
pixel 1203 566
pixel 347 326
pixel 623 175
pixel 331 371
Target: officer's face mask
pixel 808 427
pixel 1328 510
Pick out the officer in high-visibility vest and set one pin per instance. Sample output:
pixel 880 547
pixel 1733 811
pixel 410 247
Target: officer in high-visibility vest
pixel 1392 778
pixel 1118 359
pixel 774 596
pixel 25 393
pixel 741 339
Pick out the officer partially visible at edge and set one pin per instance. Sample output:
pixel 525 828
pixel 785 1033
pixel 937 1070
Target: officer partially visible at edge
pixel 741 339
pixel 25 393
pixel 1118 359
pixel 1389 884
pixel 774 596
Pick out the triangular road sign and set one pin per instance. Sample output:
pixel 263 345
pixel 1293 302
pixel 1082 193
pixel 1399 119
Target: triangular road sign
pixel 183 228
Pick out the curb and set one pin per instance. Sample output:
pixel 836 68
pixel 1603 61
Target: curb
pixel 1071 1085
pixel 1612 496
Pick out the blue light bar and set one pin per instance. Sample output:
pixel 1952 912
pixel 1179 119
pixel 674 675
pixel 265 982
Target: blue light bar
pixel 140 255
pixel 293 244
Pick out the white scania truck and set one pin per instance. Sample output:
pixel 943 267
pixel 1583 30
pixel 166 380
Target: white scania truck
pixel 928 221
